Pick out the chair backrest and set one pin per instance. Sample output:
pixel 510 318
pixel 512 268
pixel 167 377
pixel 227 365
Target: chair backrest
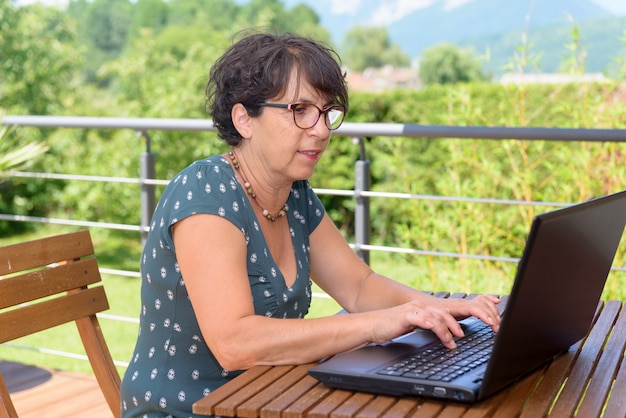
pixel 49 282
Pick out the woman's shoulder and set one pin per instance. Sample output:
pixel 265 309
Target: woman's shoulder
pixel 215 164
pixel 209 174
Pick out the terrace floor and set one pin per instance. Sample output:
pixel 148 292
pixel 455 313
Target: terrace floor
pixel 37 392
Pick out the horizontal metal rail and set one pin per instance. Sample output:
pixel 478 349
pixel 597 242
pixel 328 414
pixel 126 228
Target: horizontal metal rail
pixel 319 191
pixel 347 128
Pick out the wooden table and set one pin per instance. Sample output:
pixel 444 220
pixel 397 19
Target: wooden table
pixel 587 381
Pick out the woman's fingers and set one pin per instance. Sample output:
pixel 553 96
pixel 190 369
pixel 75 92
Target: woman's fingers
pixel 441 323
pixel 442 319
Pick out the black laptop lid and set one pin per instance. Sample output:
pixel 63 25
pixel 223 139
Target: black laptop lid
pixel 567 259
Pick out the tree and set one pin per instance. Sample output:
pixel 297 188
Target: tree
pixel 38 59
pixel 216 14
pixel 106 28
pixel 371 48
pixel 151 14
pixel 448 64
pixel 271 14
pixel 303 20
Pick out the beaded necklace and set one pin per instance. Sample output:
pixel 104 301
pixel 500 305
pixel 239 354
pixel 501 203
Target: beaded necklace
pixel 250 191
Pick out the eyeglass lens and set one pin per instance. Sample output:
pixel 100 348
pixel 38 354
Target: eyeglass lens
pixel 306 116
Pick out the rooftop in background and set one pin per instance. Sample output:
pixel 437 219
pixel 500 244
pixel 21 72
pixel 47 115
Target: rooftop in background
pixel 385 78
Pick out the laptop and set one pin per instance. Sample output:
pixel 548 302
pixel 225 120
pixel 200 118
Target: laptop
pixel 559 282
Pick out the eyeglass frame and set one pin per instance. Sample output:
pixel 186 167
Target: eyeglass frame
pixel 324 111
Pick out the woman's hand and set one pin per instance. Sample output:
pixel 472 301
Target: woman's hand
pixel 438 315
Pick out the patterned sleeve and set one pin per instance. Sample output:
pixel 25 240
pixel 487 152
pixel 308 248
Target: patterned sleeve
pixel 204 187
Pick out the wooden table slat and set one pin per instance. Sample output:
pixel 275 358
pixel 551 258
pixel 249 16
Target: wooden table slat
pixel 487 407
pixel 549 387
pixel 422 409
pixel 207 406
pixel 252 406
pixel 517 395
pixel 298 389
pixel 402 407
pixel 329 404
pixel 377 407
pixel 230 406
pixel 604 374
pixel 574 388
pixel 352 405
pixel 617 406
pixel 301 407
pixel 451 410
pixel 550 384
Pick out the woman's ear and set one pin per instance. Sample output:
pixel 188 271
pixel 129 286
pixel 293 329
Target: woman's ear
pixel 241 120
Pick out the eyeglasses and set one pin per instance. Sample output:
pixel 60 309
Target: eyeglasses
pixel 306 115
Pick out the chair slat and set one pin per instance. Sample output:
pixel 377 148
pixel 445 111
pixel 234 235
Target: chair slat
pixel 38 284
pixel 40 252
pixel 26 320
pixel 48 284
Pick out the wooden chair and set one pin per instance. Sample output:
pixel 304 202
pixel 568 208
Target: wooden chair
pixel 52 281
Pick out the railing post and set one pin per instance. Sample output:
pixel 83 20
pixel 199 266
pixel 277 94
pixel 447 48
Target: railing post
pixel 362 182
pixel 148 199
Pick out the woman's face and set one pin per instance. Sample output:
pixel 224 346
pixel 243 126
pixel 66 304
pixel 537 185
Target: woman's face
pixel 288 151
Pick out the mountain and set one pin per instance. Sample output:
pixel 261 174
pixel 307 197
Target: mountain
pixel 481 18
pixel 601 41
pixel 482 25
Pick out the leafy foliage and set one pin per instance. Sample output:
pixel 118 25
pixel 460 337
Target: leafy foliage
pixel 15 155
pixel 448 64
pixel 37 59
pixel 371 48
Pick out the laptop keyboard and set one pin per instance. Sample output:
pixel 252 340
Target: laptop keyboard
pixel 438 363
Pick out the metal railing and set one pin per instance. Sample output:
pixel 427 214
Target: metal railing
pixel 356 131
pixel 361 193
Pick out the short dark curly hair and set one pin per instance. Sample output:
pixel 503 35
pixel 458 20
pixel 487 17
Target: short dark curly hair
pixel 257 68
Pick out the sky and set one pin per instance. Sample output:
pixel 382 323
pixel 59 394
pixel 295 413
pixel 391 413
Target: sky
pixel 383 12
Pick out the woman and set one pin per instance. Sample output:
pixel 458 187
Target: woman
pixel 237 238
